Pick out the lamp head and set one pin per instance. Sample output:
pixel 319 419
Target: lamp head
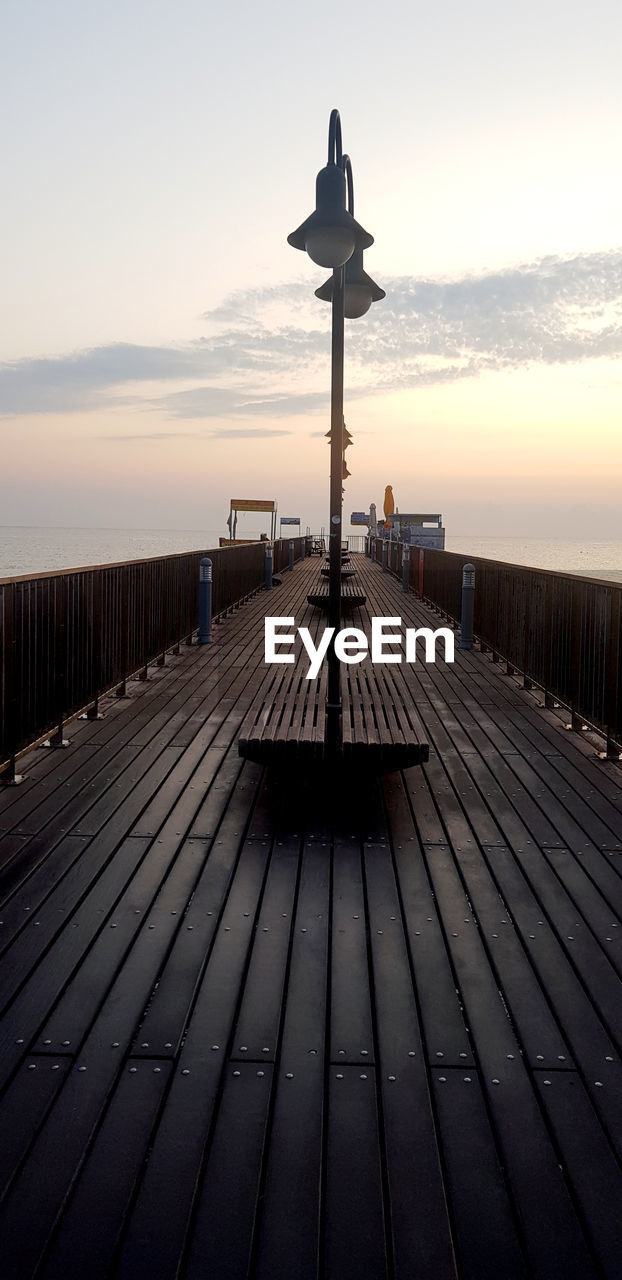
pixel 330 235
pixel 360 290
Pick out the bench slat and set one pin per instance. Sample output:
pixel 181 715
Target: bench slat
pixel 351 596
pixel 286 722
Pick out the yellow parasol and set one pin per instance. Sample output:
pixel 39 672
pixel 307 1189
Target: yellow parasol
pixel 389 505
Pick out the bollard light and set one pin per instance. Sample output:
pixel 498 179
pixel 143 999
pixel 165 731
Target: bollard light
pixel 468 600
pixel 205 601
pixel 268 566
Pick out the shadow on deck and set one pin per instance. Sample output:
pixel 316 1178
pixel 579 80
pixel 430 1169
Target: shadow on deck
pixel 258 1026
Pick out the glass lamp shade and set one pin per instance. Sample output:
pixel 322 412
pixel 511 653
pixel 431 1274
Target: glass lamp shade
pixel 359 292
pixel 357 300
pixel 330 246
pixel 330 235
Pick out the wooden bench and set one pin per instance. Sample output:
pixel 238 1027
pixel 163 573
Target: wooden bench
pixel 345 573
pixel 286 720
pixel 351 596
pixel 286 723
pixel 380 725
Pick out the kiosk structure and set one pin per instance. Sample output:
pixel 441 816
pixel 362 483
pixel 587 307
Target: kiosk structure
pixel 249 504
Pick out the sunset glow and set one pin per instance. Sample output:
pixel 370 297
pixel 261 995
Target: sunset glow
pixel 162 346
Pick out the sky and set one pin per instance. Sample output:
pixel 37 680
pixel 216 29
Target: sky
pixel 161 348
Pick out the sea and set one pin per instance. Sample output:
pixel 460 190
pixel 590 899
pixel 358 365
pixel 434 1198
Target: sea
pixel 31 550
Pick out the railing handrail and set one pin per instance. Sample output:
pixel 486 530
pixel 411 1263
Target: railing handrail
pixel 464 556
pixel 119 564
pixel 69 636
pixel 562 631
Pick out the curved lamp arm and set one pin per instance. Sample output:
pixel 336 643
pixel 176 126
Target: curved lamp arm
pixel 331 233
pixel 334 138
pixel 336 156
pixel 347 168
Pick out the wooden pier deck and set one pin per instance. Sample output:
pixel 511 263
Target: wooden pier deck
pixel 253 1028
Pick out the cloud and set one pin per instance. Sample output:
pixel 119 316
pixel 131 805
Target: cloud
pixel 214 402
pixel 268 348
pixel 251 433
pixel 220 433
pixel 153 435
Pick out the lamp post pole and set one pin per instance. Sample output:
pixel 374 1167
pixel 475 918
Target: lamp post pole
pixel 332 238
pixel 333 704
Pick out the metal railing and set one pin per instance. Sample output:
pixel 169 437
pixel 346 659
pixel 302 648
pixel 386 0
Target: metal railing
pixel 68 637
pixel 560 631
pixel 281 552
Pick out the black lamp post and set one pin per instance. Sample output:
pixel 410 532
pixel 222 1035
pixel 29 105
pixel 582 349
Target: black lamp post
pixel 333 238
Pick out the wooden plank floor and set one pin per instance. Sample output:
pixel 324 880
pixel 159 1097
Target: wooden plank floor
pixel 252 1027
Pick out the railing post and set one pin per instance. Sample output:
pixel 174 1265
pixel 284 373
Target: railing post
pixel 612 675
pixel 161 661
pixel 269 558
pixel 405 566
pixel 190 585
pixel 61 611
pixel 123 579
pixel 178 606
pixel 10 777
pixel 146 623
pixel 549 700
pixel 384 554
pixel 576 651
pixel 527 683
pixel 94 712
pixel 205 601
pixel 468 601
pixel 291 557
pixel 421 570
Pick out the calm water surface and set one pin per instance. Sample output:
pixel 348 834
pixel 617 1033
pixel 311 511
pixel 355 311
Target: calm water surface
pixel 26 550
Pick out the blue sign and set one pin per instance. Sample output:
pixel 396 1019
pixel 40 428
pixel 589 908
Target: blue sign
pixel 359 517
pixel 290 519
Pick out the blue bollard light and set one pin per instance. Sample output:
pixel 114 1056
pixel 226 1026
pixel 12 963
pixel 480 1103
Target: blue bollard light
pixel 468 601
pixel 405 566
pixel 268 567
pixel 205 601
pixel 385 550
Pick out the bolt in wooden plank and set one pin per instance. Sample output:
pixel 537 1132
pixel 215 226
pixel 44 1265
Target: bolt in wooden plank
pixel 24 1107
pixel 487 1240
pixel 354 1212
pixel 90 1226
pixel 157 894
pixel 528 1154
pixel 288 1241
pixel 350 1002
pixel 222 1232
pixel 260 1011
pixel 418 1210
pixel 590 1163
pixel 158 1226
